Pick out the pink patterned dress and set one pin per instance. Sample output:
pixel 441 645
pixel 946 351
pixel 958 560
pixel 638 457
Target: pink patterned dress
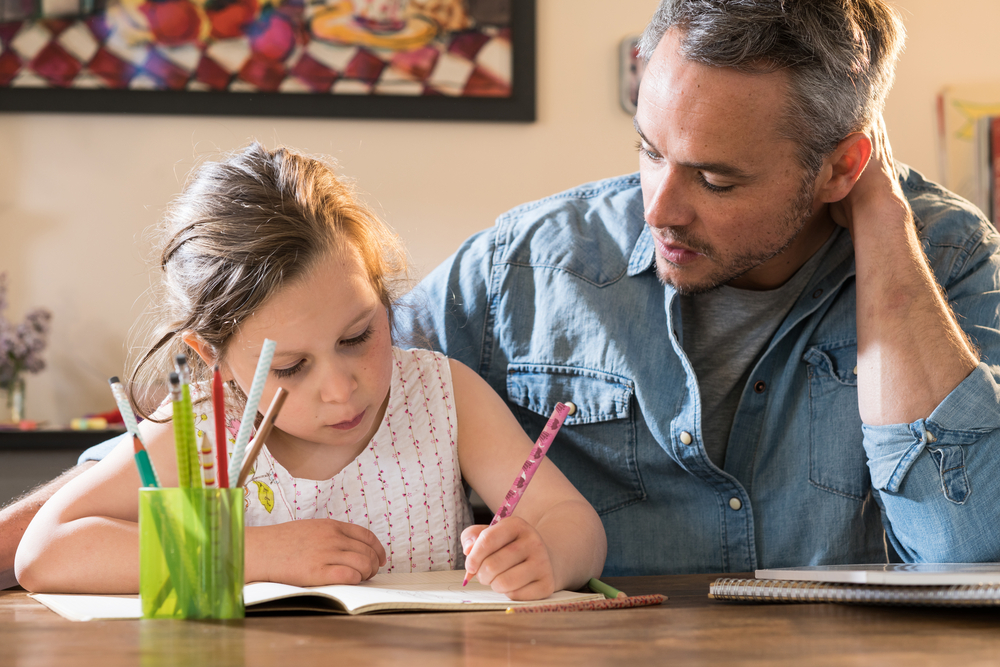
pixel 406 486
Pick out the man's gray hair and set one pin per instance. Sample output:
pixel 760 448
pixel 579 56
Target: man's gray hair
pixel 840 56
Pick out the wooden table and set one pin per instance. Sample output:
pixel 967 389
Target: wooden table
pixel 687 629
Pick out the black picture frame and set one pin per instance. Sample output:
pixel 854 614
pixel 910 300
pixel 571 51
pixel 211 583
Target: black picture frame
pixel 520 106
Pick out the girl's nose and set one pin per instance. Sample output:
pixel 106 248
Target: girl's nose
pixel 338 385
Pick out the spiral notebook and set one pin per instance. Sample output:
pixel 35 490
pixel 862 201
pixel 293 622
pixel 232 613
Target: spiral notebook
pixel 928 584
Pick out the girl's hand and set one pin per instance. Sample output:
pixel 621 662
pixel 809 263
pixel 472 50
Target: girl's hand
pixel 312 552
pixel 511 558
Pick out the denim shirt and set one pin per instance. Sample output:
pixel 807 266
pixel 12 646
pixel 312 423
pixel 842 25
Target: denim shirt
pixel 560 302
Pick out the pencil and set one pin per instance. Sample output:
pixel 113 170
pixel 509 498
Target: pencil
pixel 250 411
pixel 180 449
pixel 207 463
pixel 265 430
pixel 187 427
pixel 124 407
pixel 219 413
pixel 532 463
pixel 599 586
pixel 142 462
pixel 592 605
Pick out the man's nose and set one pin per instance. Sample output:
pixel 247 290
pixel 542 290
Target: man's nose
pixel 666 199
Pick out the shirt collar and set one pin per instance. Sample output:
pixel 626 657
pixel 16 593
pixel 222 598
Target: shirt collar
pixel 643 257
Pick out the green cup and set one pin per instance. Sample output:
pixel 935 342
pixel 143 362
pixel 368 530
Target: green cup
pixel 191 553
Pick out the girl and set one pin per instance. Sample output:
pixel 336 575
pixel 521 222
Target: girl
pixel 364 468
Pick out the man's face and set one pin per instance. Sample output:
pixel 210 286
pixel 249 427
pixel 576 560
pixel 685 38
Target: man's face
pixel 725 197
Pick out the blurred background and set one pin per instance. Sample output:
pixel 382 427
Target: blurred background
pixel 79 192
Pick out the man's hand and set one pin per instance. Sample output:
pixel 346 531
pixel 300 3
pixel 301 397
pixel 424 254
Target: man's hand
pixel 877 189
pixel 312 552
pixel 511 558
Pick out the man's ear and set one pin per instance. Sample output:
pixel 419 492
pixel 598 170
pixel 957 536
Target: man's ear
pixel 844 166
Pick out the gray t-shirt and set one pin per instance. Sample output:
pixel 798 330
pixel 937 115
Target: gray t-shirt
pixel 725 332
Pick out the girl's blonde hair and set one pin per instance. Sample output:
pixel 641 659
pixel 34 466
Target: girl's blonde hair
pixel 244 227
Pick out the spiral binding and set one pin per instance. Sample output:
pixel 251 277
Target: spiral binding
pixel 776 590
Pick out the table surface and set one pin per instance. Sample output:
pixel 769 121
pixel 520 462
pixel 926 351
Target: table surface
pixel 687 629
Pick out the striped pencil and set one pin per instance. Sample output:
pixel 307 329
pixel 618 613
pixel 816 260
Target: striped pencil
pixel 250 412
pixel 124 407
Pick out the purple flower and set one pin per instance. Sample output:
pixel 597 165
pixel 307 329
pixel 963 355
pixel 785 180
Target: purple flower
pixel 21 346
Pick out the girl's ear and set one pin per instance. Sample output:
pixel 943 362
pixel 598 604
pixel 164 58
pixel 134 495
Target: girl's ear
pixel 201 348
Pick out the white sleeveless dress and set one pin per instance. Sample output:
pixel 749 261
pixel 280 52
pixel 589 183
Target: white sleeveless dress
pixel 406 486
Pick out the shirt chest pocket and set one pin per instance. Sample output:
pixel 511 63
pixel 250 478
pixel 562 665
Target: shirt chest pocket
pixel 596 448
pixel 837 459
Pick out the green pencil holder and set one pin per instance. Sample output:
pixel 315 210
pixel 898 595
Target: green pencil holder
pixel 191 553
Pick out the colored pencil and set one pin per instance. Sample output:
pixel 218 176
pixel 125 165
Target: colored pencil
pixel 219 413
pixel 250 411
pixel 265 430
pixel 532 463
pixel 142 462
pixel 186 427
pixel 609 592
pixel 592 605
pixel 208 480
pixel 124 406
pixel 180 449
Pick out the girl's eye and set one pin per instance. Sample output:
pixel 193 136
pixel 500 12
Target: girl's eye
pixel 358 340
pixel 288 372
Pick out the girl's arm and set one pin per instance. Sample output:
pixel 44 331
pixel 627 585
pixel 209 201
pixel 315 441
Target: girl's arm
pixel 554 540
pixel 85 539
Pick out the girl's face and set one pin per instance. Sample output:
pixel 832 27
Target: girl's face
pixel 333 355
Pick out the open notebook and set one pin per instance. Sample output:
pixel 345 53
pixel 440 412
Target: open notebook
pixel 422 591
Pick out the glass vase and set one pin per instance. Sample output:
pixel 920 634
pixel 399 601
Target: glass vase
pixel 15 400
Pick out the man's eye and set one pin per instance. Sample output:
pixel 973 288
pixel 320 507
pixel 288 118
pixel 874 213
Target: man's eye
pixel 288 372
pixel 712 187
pixel 646 152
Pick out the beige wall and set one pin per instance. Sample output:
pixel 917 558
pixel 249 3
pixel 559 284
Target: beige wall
pixel 77 192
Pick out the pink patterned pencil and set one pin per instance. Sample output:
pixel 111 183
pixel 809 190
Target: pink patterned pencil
pixel 534 460
pixel 593 605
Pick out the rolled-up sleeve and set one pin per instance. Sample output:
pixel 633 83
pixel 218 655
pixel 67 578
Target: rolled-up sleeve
pixel 938 479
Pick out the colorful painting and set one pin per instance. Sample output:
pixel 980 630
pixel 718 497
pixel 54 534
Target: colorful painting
pixel 362 58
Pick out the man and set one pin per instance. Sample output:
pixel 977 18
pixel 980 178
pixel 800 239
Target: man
pixel 756 330
pixel 764 367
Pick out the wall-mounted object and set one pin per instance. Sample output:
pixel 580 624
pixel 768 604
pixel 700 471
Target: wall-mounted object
pixel 425 59
pixel 630 73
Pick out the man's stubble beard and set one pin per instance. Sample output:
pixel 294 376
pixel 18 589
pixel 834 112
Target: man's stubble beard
pixel 801 212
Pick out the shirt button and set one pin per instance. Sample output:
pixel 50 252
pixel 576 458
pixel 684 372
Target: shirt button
pixel 735 503
pixel 759 386
pixel 686 438
pixel 571 408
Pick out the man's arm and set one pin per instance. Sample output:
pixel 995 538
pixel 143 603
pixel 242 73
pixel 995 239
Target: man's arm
pixel 908 336
pixel 15 517
pixel 929 397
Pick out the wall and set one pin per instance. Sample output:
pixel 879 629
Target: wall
pixel 79 192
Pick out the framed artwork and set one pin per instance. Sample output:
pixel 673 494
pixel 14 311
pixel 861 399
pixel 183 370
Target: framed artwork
pixel 631 67
pixel 420 59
